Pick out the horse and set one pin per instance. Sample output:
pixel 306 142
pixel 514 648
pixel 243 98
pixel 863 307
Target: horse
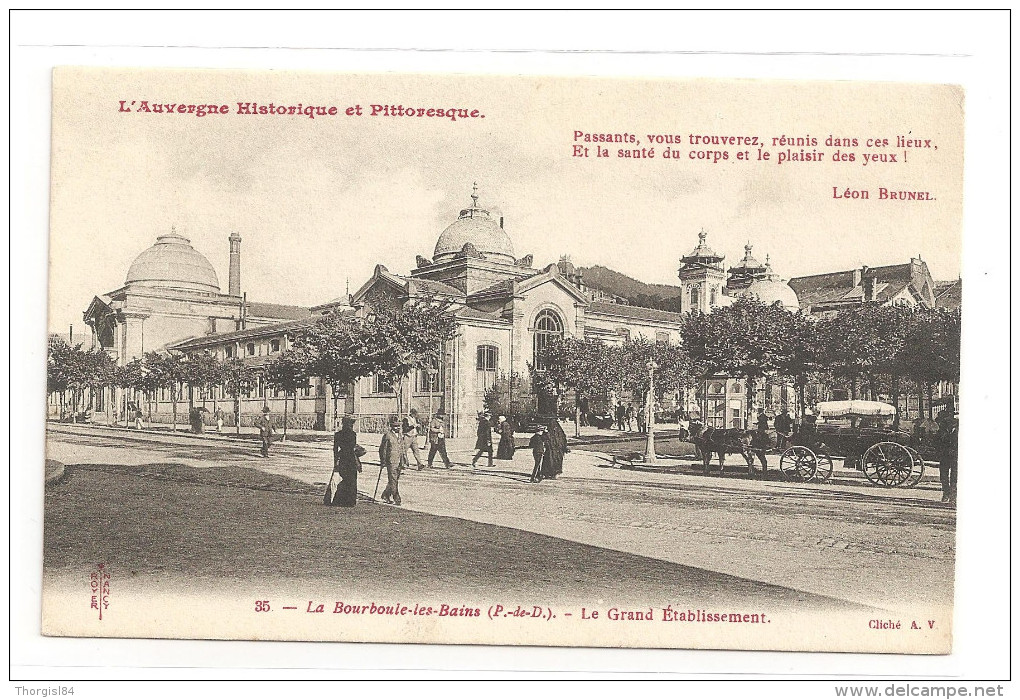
pixel 723 441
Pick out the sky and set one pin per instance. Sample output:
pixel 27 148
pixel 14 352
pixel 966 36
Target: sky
pixel 321 201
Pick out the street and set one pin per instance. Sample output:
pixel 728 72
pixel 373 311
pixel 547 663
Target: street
pixel 722 539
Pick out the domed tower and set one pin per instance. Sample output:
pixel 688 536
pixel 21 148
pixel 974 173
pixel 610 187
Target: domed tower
pixel 475 226
pixel 171 263
pixel 474 252
pixel 701 277
pixel 744 273
pixel 770 288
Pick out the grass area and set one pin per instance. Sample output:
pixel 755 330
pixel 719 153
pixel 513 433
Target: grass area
pixel 241 524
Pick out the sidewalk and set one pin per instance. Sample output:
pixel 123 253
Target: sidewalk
pixel 595 458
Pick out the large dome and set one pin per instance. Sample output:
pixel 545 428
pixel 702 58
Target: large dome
pixel 477 227
pixel 172 263
pixel 771 291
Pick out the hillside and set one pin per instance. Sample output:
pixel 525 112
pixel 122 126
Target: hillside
pixel 653 296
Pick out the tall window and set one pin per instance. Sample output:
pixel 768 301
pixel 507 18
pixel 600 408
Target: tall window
pixel 381 385
pixel 428 382
pixel 274 345
pixel 712 299
pixel 251 348
pixel 547 326
pixel 488 365
pixel 695 297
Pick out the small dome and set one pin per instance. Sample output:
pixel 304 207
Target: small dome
pixel 172 263
pixel 477 227
pixel 771 291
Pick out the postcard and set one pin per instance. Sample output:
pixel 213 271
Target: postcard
pixel 511 360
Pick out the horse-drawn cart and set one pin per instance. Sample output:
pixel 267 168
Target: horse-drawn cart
pixel 857 431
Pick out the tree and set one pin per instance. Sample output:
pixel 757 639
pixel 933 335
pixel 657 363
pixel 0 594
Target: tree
pixel 588 367
pixel 930 350
pixel 860 344
pixel 166 371
pixel 130 376
pixel 238 378
pixel 342 349
pixel 749 338
pixel 413 337
pixel 61 367
pixel 200 370
pixel 510 395
pixel 289 372
pixel 100 372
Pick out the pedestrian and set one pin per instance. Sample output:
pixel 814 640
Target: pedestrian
pixel 220 416
pixel 437 438
pixel 763 420
pixel 621 415
pixel 410 429
pixel 505 450
pixel 138 418
pixel 585 411
pixel 947 450
pixel 630 417
pixel 539 444
pixel 391 452
pixel 642 419
pixel 552 462
pixel 347 455
pixel 784 429
pixel 483 441
pixel 265 425
pixel 758 444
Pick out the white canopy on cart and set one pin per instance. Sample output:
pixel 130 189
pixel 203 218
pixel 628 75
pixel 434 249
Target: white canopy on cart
pixel 835 409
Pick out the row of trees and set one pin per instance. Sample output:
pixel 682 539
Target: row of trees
pixel 866 350
pixel 338 348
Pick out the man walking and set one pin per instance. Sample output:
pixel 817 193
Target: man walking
pixel 483 441
pixel 784 429
pixel 947 451
pixel 539 444
pixel 265 425
pixel 437 438
pixel 411 437
pixel 391 448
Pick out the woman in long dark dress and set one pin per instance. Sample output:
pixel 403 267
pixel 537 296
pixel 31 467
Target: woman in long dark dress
pixel 346 464
pixel 552 462
pixel 506 439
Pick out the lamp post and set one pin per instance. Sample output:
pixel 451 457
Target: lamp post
pixel 650 457
pixel 432 372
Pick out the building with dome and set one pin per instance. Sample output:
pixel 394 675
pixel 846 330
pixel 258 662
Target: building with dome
pixel 506 311
pixel 171 292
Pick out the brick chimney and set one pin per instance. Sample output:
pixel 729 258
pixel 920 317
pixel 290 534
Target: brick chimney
pixel 234 279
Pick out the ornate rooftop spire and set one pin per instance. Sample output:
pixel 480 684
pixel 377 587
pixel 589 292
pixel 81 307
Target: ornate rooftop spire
pixel 474 195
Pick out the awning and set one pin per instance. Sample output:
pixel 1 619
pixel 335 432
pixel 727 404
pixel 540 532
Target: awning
pixel 835 409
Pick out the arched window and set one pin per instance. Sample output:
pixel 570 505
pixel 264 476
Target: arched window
pixel 547 326
pixel 712 301
pixel 695 297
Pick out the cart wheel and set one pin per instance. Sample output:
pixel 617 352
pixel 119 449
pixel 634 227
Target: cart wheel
pixel 824 470
pixel 799 464
pixel 888 464
pixel 918 471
